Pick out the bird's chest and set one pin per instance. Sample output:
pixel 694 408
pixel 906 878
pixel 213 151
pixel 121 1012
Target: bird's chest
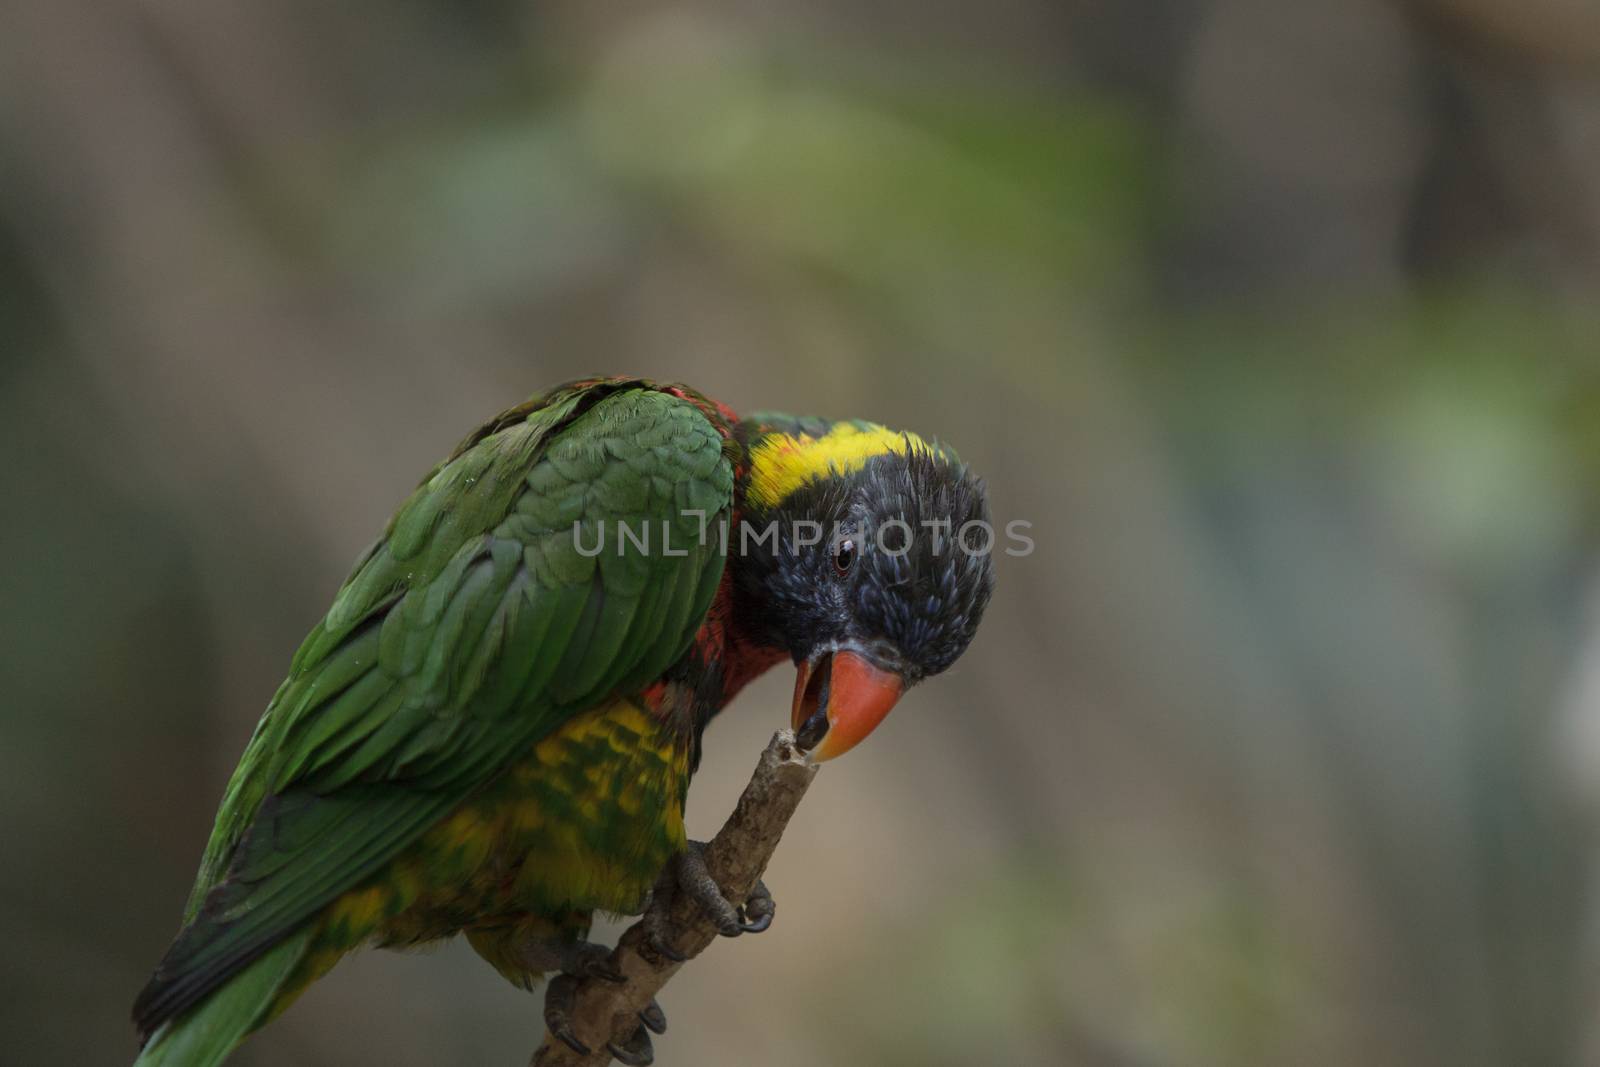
pixel 584 822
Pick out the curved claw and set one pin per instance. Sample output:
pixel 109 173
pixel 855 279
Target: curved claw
pixel 636 1051
pixel 759 909
pixel 560 996
pixel 654 1019
pixel 564 1034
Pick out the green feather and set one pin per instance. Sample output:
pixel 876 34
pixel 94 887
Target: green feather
pixel 474 628
pixel 205 1036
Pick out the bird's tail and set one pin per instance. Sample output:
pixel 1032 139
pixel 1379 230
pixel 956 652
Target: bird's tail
pixel 204 1035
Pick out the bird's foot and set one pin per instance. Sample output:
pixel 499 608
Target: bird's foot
pixel 585 959
pixel 686 873
pixel 577 960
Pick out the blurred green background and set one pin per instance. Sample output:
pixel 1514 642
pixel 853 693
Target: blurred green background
pixel 1277 320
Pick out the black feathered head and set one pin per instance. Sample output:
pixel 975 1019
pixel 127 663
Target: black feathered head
pixel 867 555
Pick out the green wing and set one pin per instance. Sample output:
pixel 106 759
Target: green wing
pixel 473 628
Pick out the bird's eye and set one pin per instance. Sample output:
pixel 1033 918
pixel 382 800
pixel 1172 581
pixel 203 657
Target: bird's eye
pixel 844 556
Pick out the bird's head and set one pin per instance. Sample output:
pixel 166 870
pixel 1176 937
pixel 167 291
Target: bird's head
pixel 865 554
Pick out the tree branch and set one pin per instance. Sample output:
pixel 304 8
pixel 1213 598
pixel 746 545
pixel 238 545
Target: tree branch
pixel 608 1011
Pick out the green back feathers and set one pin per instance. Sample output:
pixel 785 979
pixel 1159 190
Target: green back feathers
pixel 473 628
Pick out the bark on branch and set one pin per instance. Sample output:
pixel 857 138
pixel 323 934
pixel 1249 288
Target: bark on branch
pixel 736 857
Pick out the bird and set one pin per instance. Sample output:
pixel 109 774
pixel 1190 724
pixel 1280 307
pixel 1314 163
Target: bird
pixel 493 729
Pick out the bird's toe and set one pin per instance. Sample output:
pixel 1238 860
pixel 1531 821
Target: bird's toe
pixel 560 997
pixel 654 1019
pixel 636 1051
pixel 758 910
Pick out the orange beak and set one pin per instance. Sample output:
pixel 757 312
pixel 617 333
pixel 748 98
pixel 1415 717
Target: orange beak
pixel 840 698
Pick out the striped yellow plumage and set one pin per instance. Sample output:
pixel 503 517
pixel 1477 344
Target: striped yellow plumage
pixel 780 463
pixel 546 835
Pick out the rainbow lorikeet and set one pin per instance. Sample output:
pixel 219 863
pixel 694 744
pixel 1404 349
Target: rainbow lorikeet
pixel 493 730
